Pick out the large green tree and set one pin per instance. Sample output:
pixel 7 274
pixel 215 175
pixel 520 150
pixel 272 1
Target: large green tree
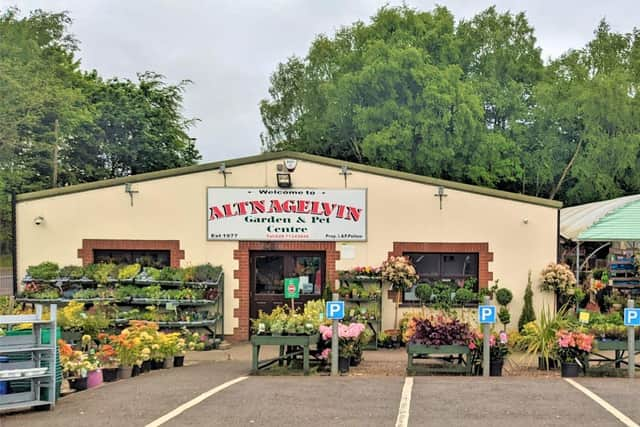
pixel 60 125
pixel 471 101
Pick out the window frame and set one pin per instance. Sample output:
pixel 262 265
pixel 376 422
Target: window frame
pixel 441 277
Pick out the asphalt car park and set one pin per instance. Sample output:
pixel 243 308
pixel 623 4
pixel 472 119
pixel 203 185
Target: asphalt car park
pixel 223 394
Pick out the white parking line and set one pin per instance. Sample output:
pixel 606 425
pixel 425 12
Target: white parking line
pixel 613 411
pixel 193 402
pixel 405 403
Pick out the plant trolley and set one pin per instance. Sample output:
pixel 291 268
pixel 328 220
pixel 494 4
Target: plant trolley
pixel 39 368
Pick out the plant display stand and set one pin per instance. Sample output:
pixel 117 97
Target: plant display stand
pixel 619 349
pixel 40 368
pixel 291 347
pixel 451 359
pixel 188 313
pixel 365 310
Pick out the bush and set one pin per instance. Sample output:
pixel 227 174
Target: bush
pixel 465 296
pixel 206 273
pixel 504 316
pixel 439 330
pixel 424 292
pixel 504 296
pixel 72 272
pixel 528 315
pixel 44 271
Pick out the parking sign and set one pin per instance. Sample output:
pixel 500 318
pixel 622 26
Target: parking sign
pixel 335 310
pixel 486 314
pixel 632 316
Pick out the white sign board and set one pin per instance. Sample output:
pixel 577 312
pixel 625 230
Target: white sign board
pixel 286 214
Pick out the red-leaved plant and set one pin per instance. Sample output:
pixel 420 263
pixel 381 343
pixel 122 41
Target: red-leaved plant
pixel 439 330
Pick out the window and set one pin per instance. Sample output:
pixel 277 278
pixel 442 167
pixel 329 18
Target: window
pixel 146 258
pixel 443 267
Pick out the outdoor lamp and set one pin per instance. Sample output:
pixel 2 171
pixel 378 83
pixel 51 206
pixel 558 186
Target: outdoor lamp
pixel 284 180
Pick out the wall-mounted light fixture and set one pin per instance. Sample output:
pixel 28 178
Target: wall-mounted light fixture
pixel 440 194
pixel 344 171
pixel 128 188
pixel 283 179
pixel 223 170
pixel 38 220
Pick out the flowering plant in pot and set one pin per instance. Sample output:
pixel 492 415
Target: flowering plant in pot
pixel 401 274
pixel 498 351
pixel 571 349
pixel 558 278
pixel 348 341
pixel 108 358
pixel 76 365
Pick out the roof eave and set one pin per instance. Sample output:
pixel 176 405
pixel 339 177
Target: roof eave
pixel 289 154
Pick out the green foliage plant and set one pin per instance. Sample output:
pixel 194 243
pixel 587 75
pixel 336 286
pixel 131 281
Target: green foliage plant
pixel 528 314
pixel 538 337
pixel 44 271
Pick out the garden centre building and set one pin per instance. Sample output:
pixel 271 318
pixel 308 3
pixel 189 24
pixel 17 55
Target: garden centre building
pixel 279 215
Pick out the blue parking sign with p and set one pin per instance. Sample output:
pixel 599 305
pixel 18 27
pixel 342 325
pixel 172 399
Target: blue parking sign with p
pixel 335 310
pixel 487 314
pixel 632 316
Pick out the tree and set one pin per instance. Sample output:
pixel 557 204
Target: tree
pixel 471 101
pixel 63 126
pixel 528 315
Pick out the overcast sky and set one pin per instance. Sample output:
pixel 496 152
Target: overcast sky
pixel 230 48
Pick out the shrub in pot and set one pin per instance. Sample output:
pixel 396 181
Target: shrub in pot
pixel 571 349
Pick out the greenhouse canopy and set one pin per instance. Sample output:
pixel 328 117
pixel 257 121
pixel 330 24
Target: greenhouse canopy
pixel 606 221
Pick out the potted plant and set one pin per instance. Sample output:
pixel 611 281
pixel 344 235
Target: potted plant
pixel 76 366
pixel 401 274
pixel 439 335
pixel 498 351
pixel 108 359
pixel 538 337
pixel 571 348
pixel 349 339
pixel 558 278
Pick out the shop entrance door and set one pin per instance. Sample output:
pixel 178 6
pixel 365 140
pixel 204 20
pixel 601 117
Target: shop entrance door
pixel 270 268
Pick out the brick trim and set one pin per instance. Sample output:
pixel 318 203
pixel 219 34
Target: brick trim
pixel 241 333
pixel 173 246
pixel 484 256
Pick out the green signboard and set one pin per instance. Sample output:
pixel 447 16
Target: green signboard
pixel 292 287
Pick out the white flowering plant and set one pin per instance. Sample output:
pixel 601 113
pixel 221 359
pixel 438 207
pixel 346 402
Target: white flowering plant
pixel 557 278
pixel 399 272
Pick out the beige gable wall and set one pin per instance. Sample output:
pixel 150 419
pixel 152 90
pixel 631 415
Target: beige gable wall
pixel 174 208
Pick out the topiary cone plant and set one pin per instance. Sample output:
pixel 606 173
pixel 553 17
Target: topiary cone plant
pixel 528 315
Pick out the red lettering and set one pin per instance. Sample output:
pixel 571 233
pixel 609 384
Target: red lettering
pixel 215 213
pixel 340 213
pixel 241 207
pixel 328 208
pixel 354 213
pixel 315 208
pixel 303 206
pixel 257 206
pixel 275 207
pixel 289 206
pixel 228 211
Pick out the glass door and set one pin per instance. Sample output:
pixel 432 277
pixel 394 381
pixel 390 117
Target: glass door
pixel 268 271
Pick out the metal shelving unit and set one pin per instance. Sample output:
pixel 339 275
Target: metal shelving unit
pixel 214 324
pixel 375 325
pixel 39 354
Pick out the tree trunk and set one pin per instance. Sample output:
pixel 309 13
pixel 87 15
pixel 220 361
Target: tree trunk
pixel 565 171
